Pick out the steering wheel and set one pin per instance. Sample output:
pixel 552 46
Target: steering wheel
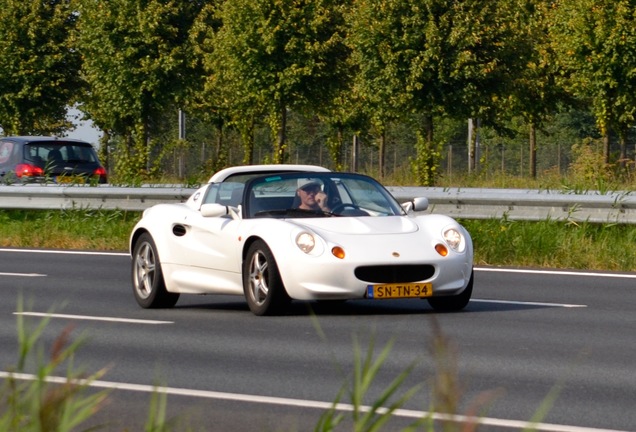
pixel 340 207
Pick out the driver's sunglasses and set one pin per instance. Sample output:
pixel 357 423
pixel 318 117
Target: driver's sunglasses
pixel 313 190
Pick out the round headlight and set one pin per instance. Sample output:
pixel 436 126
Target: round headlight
pixel 305 242
pixel 454 239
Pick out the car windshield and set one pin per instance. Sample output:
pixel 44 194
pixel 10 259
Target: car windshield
pixel 298 195
pixel 43 153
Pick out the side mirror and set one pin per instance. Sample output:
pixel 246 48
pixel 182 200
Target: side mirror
pixel 218 210
pixel 418 204
pixel 214 210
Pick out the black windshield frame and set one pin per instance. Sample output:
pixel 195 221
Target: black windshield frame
pixel 369 198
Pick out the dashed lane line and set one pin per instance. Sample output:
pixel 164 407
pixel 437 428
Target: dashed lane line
pixel 527 303
pixel 93 318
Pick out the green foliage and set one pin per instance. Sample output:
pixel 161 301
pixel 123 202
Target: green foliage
pixel 426 162
pixel 588 165
pixel 157 418
pixel 595 41
pixel 361 68
pixel 273 55
pixel 481 48
pixel 589 171
pixel 435 57
pixel 536 93
pixel 136 63
pixel 39 78
pixel 389 40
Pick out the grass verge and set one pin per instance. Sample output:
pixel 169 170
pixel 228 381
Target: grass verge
pixel 553 244
pixel 67 229
pixel 498 242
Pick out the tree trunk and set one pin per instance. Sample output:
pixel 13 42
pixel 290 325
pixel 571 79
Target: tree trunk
pixel 428 127
pixel 104 153
pixel 381 153
pixel 355 153
pixel 247 136
pixel 623 143
pixel 219 150
pixel 473 132
pixel 142 147
pixel 281 144
pixel 533 151
pixel 426 158
pixel 337 151
pixel 606 148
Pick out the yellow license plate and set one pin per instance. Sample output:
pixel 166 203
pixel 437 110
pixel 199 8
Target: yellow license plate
pixel 393 291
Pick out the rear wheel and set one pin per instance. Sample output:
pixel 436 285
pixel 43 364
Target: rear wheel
pixel 264 290
pixel 149 287
pixel 455 302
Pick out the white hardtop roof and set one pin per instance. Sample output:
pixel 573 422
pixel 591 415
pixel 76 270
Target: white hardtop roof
pixel 225 173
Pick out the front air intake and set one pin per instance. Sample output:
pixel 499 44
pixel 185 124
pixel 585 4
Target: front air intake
pixel 395 273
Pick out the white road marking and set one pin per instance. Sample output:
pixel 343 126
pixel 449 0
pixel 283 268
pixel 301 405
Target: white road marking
pixel 482 269
pixel 22 274
pixel 557 272
pixel 562 305
pixel 302 403
pixel 308 403
pixel 93 318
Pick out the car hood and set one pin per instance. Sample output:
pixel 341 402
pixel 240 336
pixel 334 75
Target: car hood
pixel 360 225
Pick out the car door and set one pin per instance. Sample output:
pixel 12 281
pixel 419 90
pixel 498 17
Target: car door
pixel 206 253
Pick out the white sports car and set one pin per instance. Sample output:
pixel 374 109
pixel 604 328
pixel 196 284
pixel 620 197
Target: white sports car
pixel 274 233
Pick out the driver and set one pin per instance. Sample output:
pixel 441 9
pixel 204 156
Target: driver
pixel 311 195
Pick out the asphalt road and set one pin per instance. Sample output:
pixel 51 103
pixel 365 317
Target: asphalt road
pixel 526 336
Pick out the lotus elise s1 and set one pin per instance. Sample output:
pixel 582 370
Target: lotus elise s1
pixel 255 231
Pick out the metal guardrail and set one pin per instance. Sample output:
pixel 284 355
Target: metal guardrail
pixel 56 197
pixel 527 204
pixel 469 203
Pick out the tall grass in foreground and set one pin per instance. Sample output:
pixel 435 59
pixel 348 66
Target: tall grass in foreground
pixel 445 395
pixel 50 394
pixel 29 402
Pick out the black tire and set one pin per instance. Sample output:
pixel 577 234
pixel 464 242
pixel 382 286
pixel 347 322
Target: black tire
pixel 453 303
pixel 148 284
pixel 264 290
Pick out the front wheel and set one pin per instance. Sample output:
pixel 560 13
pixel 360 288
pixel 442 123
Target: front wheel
pixel 453 303
pixel 149 287
pixel 264 290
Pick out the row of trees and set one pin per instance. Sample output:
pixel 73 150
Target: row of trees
pixel 349 68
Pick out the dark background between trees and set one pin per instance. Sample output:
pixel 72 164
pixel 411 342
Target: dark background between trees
pixel 411 90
